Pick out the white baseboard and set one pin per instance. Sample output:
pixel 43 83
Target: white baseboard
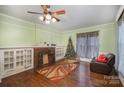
pixel 85 59
pixel 121 78
pixel 16 71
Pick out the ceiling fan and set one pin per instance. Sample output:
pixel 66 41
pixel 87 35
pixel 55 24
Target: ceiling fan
pixel 48 16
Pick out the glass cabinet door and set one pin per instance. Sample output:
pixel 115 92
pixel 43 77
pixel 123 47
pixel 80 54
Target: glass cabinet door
pixel 19 58
pixel 8 60
pixel 28 58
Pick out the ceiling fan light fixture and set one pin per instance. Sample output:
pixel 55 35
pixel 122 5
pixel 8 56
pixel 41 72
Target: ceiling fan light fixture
pixel 41 18
pixel 48 9
pixel 47 21
pixel 48 16
pixel 53 20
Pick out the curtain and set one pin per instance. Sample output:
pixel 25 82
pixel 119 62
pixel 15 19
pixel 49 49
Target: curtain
pixel 87 45
pixel 81 45
pixel 121 45
pixel 92 45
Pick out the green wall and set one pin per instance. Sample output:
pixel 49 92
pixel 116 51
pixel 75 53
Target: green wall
pixel 17 32
pixel 48 35
pixel 107 36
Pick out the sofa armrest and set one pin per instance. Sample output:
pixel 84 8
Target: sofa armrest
pixel 94 59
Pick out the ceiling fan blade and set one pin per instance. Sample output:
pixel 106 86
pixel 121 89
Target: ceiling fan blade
pixel 59 12
pixel 34 12
pixel 56 18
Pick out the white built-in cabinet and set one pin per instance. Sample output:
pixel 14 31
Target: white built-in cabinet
pixel 13 61
pixel 59 52
pixel 16 60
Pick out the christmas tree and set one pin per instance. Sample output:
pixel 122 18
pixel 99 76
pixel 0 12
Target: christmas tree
pixel 70 52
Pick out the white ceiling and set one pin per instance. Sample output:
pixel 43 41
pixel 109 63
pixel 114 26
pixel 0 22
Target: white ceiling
pixel 76 16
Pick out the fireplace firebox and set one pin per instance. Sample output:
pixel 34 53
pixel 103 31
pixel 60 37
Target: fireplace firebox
pixel 43 57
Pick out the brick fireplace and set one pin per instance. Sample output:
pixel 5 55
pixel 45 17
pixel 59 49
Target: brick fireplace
pixel 43 57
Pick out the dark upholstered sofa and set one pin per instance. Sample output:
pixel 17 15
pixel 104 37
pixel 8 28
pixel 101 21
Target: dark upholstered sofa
pixel 103 68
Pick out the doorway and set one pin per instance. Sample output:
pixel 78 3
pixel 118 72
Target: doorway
pixel 87 45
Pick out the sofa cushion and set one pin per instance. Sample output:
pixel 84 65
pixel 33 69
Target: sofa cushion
pixel 109 55
pixel 102 58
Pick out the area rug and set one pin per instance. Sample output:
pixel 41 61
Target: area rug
pixel 58 72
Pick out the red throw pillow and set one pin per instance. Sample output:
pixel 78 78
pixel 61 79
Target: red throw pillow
pixel 101 58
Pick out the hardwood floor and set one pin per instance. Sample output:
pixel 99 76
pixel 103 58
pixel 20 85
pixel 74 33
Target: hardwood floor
pixel 81 77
